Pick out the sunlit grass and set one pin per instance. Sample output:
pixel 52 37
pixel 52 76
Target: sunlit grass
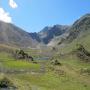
pixel 21 65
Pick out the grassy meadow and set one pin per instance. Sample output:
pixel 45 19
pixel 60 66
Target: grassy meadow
pixel 43 75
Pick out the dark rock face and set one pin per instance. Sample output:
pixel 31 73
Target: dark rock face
pixel 83 54
pixel 48 33
pixel 35 36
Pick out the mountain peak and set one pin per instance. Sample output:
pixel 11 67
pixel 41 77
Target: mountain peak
pixel 48 33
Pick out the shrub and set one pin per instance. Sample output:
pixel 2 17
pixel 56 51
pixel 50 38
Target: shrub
pixel 6 83
pixel 56 62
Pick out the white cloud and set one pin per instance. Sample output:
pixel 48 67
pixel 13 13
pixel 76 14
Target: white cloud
pixel 4 16
pixel 13 4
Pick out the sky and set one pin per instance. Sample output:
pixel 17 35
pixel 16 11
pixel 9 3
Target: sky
pixel 34 15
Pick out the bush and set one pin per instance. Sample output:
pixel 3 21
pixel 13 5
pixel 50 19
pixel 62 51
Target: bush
pixel 82 53
pixel 20 54
pixel 85 71
pixel 6 83
pixel 56 62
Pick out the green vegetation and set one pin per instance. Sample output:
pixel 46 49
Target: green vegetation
pixel 21 65
pixel 66 76
pixel 7 61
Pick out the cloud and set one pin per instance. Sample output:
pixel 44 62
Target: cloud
pixel 13 4
pixel 4 16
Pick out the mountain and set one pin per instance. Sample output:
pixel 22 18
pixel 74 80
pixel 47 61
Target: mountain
pixel 51 36
pixel 14 36
pixel 48 33
pixel 35 36
pixel 78 31
pixel 79 28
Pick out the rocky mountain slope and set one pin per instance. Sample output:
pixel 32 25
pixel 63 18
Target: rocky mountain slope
pixel 14 36
pixel 48 33
pixel 77 32
pixel 79 28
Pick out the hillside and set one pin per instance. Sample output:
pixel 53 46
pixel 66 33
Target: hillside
pixel 79 32
pixel 14 36
pixel 79 28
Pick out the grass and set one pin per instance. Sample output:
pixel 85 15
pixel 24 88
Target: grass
pixel 20 84
pixel 21 65
pixel 71 80
pixel 51 79
pixel 72 46
pixel 74 62
pixel 9 62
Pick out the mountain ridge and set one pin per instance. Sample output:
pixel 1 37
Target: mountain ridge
pixel 13 35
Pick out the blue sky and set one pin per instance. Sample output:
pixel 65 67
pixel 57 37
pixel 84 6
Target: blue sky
pixel 33 15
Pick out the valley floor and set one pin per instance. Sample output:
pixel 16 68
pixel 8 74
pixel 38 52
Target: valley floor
pixel 45 76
